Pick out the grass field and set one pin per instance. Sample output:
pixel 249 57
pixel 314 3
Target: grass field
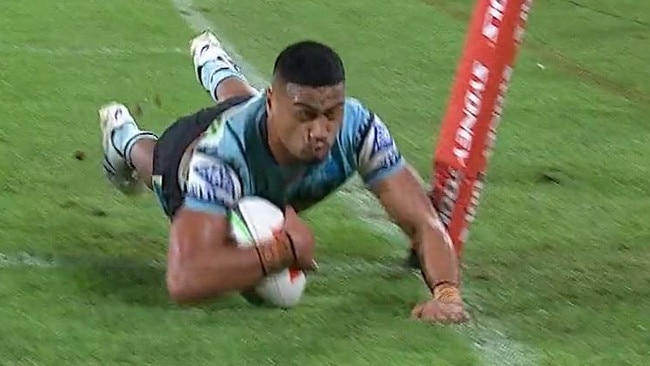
pixel 558 265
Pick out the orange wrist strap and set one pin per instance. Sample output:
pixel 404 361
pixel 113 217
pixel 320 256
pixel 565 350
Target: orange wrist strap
pixel 447 292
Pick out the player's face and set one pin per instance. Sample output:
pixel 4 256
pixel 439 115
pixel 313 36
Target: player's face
pixel 307 119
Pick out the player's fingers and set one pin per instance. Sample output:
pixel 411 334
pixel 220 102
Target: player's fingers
pixel 465 316
pixel 446 315
pixel 416 313
pixel 443 317
pixel 432 313
pixel 436 316
pixel 455 318
pixel 458 316
pixel 311 267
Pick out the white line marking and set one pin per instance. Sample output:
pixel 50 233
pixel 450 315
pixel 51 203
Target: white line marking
pixel 345 267
pixel 493 346
pixel 85 51
pixel 23 259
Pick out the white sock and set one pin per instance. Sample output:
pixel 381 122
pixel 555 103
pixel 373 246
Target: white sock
pixel 213 72
pixel 125 136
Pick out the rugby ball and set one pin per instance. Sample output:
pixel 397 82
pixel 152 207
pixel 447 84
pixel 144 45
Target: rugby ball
pixel 253 221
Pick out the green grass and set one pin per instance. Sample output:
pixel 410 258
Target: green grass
pixel 560 269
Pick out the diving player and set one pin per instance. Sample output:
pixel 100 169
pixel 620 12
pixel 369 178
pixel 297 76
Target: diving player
pixel 293 143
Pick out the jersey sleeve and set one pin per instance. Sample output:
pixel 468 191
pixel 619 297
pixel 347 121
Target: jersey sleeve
pixel 377 154
pixel 212 185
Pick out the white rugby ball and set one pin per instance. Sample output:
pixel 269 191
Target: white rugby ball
pixel 253 221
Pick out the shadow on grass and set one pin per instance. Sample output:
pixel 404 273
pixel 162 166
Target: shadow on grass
pixel 131 280
pixel 128 279
pixel 141 282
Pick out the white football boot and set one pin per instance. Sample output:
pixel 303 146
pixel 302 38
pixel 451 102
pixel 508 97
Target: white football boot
pixel 117 167
pixel 206 47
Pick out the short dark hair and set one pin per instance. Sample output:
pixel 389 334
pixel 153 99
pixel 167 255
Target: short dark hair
pixel 309 63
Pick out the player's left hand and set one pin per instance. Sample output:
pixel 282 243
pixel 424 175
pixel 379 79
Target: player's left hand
pixel 302 239
pixel 446 307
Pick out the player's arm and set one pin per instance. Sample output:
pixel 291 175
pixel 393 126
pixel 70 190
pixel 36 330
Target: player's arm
pixel 400 191
pixel 203 261
pixel 405 201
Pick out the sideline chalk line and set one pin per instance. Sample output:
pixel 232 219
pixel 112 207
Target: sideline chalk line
pixel 88 51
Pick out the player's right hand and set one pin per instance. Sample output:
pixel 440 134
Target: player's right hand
pixel 445 307
pixel 302 239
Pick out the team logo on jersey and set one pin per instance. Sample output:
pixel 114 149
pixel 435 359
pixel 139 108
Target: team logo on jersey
pixel 212 181
pixel 378 151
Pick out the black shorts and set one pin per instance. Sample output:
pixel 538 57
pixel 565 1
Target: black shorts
pixel 171 146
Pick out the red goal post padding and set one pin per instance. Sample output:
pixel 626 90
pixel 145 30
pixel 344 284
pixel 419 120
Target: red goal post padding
pixel 473 112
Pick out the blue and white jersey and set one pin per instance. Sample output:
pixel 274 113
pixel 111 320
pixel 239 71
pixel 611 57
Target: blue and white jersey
pixel 233 160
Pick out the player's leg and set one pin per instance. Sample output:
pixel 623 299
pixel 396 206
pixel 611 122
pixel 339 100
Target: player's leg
pixel 128 150
pixel 216 71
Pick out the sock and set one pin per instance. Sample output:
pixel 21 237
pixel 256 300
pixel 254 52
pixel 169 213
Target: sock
pixel 214 72
pixel 125 136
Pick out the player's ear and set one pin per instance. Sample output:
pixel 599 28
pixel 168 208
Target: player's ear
pixel 269 95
